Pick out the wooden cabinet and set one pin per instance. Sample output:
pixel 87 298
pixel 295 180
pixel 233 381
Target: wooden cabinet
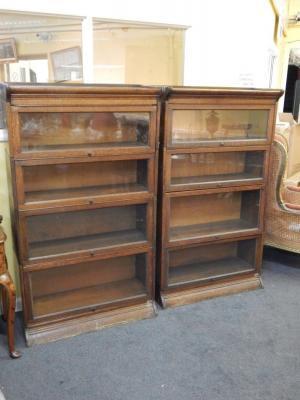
pixel 84 162
pixel 84 171
pixel 215 151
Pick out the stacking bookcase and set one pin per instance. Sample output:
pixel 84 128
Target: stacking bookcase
pixel 83 161
pixel 215 156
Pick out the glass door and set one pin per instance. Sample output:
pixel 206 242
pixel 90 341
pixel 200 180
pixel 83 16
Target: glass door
pixel 207 262
pixel 69 232
pixel 215 215
pixel 194 127
pixel 60 181
pixel 210 169
pixel 54 131
pixel 72 287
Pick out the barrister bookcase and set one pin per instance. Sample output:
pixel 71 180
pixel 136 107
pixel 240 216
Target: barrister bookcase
pixel 215 156
pixel 83 162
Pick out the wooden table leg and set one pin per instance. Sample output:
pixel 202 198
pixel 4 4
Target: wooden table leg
pixel 8 285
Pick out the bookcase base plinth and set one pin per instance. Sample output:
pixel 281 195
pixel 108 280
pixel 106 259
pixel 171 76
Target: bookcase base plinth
pixel 189 296
pixel 88 323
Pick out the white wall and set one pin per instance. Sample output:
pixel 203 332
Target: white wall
pixel 227 43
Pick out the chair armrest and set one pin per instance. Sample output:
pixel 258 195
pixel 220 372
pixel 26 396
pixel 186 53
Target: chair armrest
pixel 293 181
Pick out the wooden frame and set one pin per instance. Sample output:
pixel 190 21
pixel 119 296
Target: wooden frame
pixel 8 50
pixel 210 237
pixel 147 202
pixel 75 99
pixel 69 58
pixel 169 187
pixel 135 299
pixel 221 105
pixel 88 151
pixel 66 324
pixel 88 198
pixel 181 286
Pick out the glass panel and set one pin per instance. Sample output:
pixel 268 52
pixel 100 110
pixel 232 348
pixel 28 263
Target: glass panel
pixel 200 168
pixel 193 126
pixel 89 284
pixel 55 131
pixel 125 53
pixel 213 214
pixel 211 261
pixel 74 180
pixel 70 232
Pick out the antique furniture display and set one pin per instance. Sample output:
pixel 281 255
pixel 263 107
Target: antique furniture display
pixel 83 161
pixel 283 205
pixel 8 292
pixel 215 155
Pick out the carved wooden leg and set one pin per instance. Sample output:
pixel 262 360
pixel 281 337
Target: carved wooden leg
pixel 4 296
pixel 4 303
pixel 7 283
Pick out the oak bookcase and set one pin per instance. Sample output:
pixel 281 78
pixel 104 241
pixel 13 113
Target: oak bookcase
pixel 83 161
pixel 215 145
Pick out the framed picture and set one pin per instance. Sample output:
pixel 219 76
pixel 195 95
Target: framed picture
pixel 8 50
pixel 67 64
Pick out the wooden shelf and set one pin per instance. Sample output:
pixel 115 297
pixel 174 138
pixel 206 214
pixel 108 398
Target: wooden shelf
pixel 194 141
pixel 87 297
pixel 59 194
pixel 208 270
pixel 210 229
pixel 76 146
pixel 91 242
pixel 224 178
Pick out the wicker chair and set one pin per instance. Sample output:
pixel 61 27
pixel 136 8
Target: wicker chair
pixel 283 202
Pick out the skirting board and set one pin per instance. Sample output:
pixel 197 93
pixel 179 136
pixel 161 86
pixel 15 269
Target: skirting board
pixel 188 296
pixel 89 323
